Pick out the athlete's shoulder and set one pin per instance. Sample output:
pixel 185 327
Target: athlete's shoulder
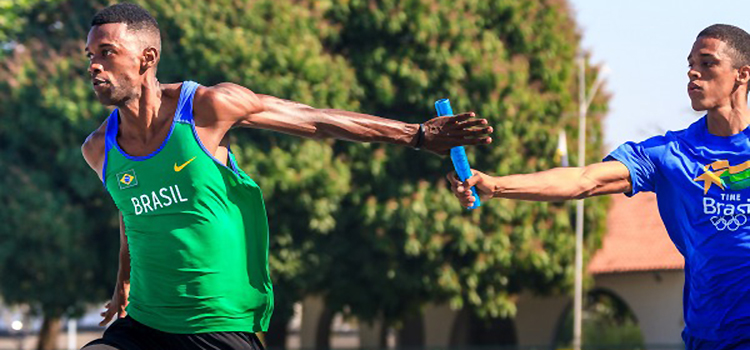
pixel 93 148
pixel 652 148
pixel 693 131
pixel 226 102
pixel 224 94
pixel 658 141
pixel 671 137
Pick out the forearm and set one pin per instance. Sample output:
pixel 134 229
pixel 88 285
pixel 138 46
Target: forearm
pixel 358 127
pixel 123 271
pixel 552 185
pixel 302 120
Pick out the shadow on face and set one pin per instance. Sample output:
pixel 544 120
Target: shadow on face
pixel 115 62
pixel 713 78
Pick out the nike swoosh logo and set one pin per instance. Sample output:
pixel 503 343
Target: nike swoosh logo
pixel 178 168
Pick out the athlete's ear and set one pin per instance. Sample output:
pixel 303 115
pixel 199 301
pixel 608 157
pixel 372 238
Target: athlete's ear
pixel 150 59
pixel 743 75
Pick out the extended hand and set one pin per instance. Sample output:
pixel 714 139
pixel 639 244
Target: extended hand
pixel 462 190
pixel 443 133
pixel 116 306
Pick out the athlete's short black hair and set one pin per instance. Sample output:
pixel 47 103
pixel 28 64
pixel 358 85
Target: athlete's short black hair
pixel 137 18
pixel 737 39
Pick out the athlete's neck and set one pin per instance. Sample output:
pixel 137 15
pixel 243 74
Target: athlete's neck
pixel 140 114
pixel 730 119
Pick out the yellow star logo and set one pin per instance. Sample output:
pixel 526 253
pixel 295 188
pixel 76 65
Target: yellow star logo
pixel 709 178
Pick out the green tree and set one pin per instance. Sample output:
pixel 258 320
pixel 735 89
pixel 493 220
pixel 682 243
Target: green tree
pixel 14 15
pixel 59 230
pixel 512 62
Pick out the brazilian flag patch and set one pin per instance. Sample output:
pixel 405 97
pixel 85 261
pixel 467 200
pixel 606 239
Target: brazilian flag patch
pixel 127 179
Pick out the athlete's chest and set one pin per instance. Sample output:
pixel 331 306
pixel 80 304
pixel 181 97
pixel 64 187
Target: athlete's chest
pixel 130 136
pixel 164 182
pixel 707 192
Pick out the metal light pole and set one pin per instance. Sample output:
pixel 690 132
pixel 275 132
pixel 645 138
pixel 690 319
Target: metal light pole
pixel 72 334
pixel 583 106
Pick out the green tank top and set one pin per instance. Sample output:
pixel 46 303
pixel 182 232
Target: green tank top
pixel 197 231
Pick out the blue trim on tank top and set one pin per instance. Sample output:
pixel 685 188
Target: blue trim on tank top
pixel 107 146
pixel 116 120
pixel 232 165
pixel 183 114
pixel 186 116
pixel 146 157
pixel 229 159
pixel 113 126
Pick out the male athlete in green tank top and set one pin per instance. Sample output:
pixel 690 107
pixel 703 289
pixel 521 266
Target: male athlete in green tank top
pixel 181 196
pixel 194 233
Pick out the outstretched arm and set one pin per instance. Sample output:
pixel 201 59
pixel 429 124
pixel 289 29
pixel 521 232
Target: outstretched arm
pixel 550 185
pixel 233 105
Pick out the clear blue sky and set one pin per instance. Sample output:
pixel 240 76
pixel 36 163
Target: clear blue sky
pixel 645 45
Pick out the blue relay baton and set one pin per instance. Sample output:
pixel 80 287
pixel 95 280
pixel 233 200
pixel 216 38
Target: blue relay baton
pixel 458 154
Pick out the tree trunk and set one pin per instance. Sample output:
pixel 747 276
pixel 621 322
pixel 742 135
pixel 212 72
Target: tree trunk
pixel 461 328
pixel 49 333
pixel 384 328
pixel 411 336
pixel 275 338
pixel 323 333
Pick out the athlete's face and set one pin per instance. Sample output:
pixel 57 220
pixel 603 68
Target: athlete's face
pixel 116 63
pixel 713 77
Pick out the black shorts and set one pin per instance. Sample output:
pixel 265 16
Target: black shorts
pixel 128 334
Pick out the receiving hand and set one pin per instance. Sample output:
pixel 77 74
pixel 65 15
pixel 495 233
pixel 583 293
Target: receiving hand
pixel 462 189
pixel 116 306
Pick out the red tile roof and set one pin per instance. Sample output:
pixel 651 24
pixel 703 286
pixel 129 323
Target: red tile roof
pixel 636 239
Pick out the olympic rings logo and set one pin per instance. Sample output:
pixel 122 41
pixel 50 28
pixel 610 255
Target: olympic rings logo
pixel 729 222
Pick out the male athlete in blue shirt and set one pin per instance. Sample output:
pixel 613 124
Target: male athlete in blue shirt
pixel 701 176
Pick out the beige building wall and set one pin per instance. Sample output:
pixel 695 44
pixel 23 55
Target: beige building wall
pixel 656 300
pixel 537 318
pixel 654 297
pixel 312 309
pixel 369 334
pixel 438 325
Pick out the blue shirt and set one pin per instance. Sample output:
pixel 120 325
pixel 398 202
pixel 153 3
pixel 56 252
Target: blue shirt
pixel 702 185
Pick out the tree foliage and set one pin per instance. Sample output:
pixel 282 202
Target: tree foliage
pixel 512 62
pixel 59 230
